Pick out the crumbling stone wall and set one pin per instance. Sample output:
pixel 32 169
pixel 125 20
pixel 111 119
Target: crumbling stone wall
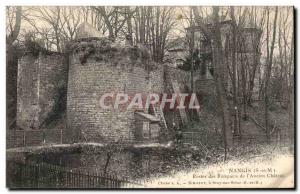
pixel 39 79
pixel 156 80
pixel 27 89
pixel 182 78
pixel 95 67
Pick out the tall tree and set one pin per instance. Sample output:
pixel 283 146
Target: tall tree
pixel 152 27
pixel 13 13
pixel 114 18
pixel 13 25
pixel 214 34
pixel 234 29
pixel 269 63
pixel 61 25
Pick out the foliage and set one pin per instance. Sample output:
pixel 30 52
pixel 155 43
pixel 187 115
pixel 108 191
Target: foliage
pixel 32 46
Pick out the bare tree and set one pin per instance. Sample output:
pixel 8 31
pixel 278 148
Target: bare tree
pixel 152 27
pixel 269 62
pixel 236 109
pixel 114 18
pixel 61 24
pixel 13 26
pixel 214 34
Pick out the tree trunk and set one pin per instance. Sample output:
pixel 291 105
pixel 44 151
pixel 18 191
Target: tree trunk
pixel 14 34
pixel 129 25
pixel 268 72
pixel 234 75
pixel 219 79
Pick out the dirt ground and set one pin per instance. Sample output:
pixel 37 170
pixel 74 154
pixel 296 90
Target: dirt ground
pixel 271 168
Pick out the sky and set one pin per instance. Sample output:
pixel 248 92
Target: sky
pixel 182 17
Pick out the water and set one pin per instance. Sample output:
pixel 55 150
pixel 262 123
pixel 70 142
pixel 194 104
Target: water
pixel 131 164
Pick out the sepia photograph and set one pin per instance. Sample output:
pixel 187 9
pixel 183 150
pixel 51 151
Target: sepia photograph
pixel 150 97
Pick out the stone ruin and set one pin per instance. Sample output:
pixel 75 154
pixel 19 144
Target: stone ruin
pixel 77 79
pixel 73 82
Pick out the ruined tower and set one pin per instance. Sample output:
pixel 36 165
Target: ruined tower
pixel 98 66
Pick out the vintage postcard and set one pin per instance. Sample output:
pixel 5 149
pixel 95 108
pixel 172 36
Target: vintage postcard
pixel 139 97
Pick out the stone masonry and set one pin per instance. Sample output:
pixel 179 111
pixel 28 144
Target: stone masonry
pixel 94 67
pixel 38 80
pixel 109 69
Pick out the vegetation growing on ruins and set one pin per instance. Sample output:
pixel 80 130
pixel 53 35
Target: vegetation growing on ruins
pixel 146 33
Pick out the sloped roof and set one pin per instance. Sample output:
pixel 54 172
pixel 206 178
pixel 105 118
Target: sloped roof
pixel 148 116
pixel 86 30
